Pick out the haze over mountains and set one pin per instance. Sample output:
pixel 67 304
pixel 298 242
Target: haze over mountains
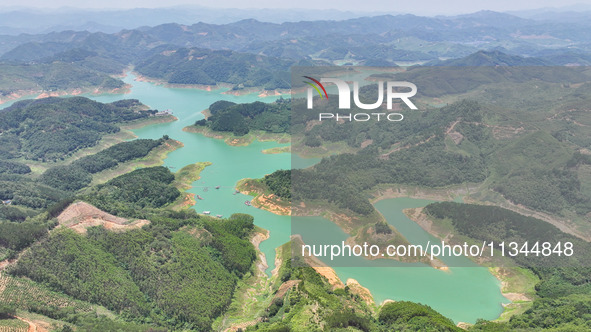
pixel 204 53
pixel 33 21
pixel 16 20
pixel 385 37
pixel 512 131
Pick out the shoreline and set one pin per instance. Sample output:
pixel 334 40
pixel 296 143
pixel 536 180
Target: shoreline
pixel 244 308
pixel 259 236
pixel 335 281
pixel 518 300
pixel 464 191
pixel 183 181
pixel 278 150
pixel 245 140
pixel 39 94
pixel 152 120
pixel 270 203
pixel 262 93
pixel 438 194
pixel 142 78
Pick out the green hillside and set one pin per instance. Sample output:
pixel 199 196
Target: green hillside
pixel 202 66
pixel 53 128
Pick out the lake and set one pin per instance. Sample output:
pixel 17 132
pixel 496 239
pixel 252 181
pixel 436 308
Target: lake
pixel 462 294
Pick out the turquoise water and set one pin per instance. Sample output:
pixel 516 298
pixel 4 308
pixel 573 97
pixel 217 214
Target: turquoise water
pixel 10 102
pixel 229 164
pixel 463 294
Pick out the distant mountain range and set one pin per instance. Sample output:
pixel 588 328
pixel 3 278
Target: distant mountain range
pixel 385 37
pixel 34 21
pixel 204 53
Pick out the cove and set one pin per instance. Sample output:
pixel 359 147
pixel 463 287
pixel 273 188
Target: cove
pixel 463 294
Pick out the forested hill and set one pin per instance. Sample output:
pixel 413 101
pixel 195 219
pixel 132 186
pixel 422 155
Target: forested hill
pixel 242 118
pixel 50 130
pixel 178 272
pixel 261 51
pixel 539 168
pixel 202 66
pixel 28 193
pixel 79 76
pixel 563 294
pixel 53 128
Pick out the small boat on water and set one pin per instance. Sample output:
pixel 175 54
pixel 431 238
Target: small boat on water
pixel 218 187
pixel 218 215
pixel 247 203
pixel 199 197
pixel 206 213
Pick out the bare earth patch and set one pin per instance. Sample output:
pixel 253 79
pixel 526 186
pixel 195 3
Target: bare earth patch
pixel 356 288
pixel 256 241
pixel 324 270
pixel 80 215
pixel 334 280
pixel 32 326
pixel 285 287
pixel 271 203
pixel 268 202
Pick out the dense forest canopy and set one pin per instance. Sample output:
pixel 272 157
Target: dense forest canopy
pixel 564 289
pixel 539 168
pixel 242 118
pixel 279 182
pixel 141 272
pixel 209 67
pixel 131 193
pixel 53 128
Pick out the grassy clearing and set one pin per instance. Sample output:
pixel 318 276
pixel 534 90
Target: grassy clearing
pixel 450 193
pixel 512 309
pixel 189 174
pixel 326 149
pixel 253 295
pixel 252 187
pixel 516 281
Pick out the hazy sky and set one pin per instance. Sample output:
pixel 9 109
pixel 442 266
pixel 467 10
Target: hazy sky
pixel 425 7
